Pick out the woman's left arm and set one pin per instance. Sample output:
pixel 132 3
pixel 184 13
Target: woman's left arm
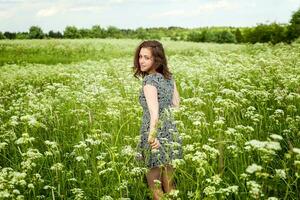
pixel 151 96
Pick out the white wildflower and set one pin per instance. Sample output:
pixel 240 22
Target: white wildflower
pixel 52 144
pixel 190 194
pixel 137 171
pixel 25 139
pixel 14 120
pixel 128 151
pixel 2 145
pixel 296 150
pixel 88 172
pixel 15 191
pixel 209 190
pixel 297 163
pixel 177 163
pixel 230 131
pixel 211 140
pixel 253 168
pixel 229 190
pixel 189 147
pixel 216 179
pixel 276 137
pixel 79 194
pixel 279 112
pixel 57 167
pixel 255 189
pixel 106 198
pixel 79 158
pixel 219 122
pixel 244 176
pixel 173 193
pixel 213 151
pixel 280 173
pixel 273 145
pixel 272 198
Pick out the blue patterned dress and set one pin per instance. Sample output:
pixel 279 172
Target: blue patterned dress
pixel 167 134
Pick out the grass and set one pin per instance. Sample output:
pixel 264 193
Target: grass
pixel 69 129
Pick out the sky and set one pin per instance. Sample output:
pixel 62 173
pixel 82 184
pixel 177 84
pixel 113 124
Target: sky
pixel 19 15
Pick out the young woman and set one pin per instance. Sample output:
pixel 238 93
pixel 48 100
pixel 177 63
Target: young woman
pixel 160 142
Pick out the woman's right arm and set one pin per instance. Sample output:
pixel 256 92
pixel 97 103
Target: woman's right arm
pixel 176 98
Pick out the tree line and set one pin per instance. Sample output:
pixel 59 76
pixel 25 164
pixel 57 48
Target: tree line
pixel 262 33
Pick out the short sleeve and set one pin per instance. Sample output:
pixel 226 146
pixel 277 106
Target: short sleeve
pixel 151 80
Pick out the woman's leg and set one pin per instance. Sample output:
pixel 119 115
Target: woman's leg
pixel 155 174
pixel 167 178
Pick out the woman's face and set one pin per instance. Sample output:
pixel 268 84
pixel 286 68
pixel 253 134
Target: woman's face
pixel 146 60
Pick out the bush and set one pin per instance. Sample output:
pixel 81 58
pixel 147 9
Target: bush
pixel 35 32
pixel 226 37
pixel 294 27
pixel 195 36
pixel 2 36
pixel 71 32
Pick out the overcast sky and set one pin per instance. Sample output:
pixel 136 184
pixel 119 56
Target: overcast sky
pixel 19 15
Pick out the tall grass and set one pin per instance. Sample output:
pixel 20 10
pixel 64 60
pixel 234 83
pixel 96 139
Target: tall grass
pixel 71 130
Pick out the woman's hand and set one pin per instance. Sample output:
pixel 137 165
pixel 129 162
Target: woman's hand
pixel 154 142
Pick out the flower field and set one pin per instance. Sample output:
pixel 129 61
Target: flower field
pixel 70 120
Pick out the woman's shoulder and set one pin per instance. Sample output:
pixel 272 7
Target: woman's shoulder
pixel 157 74
pixel 152 79
pixel 157 77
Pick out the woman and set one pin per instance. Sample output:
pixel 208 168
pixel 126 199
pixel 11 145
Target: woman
pixel 160 142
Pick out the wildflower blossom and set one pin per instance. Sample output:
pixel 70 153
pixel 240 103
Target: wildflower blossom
pixel 296 150
pixel 209 190
pixel 253 168
pixel 276 137
pixel 57 167
pixel 79 194
pixel 255 189
pixel 280 173
pixel 229 190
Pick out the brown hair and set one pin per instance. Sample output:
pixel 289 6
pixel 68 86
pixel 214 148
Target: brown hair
pixel 160 60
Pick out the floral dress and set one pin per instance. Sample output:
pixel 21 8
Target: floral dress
pixel 167 134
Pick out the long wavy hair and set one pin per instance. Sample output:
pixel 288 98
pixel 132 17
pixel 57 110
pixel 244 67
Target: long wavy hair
pixel 160 60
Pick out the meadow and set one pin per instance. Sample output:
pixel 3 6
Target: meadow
pixel 70 120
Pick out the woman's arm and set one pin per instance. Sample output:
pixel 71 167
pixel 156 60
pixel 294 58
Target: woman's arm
pixel 150 92
pixel 176 98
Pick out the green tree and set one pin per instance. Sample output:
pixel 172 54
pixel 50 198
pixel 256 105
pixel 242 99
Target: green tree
pixel 71 32
pixel 22 35
pixel 128 33
pixel 141 33
pixel 35 32
pixel 263 33
pixel 294 27
pixel 85 33
pixel 97 32
pixel 10 35
pixel 226 36
pixel 195 36
pixel 278 33
pixel 53 34
pixel 113 32
pixel 211 36
pixel 238 36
